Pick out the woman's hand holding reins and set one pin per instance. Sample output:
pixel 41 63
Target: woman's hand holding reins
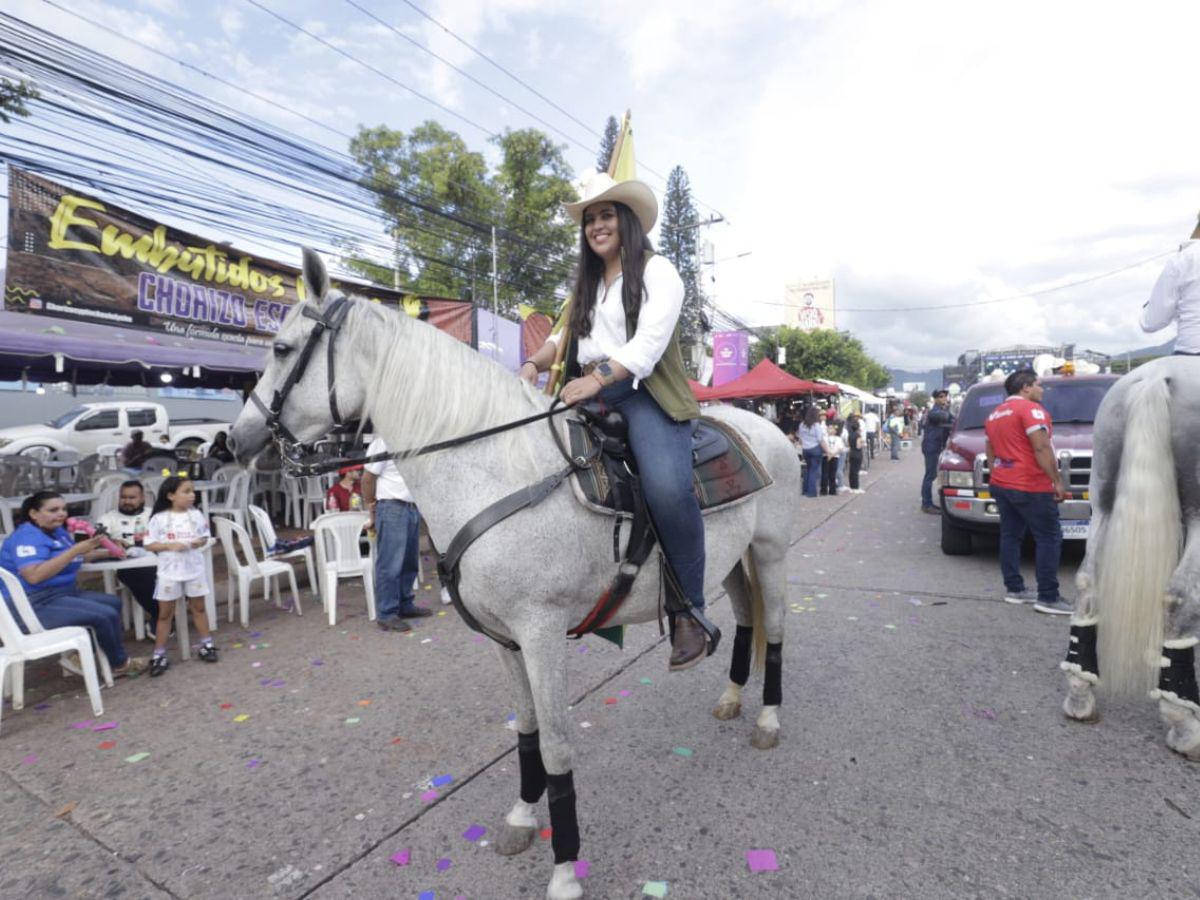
pixel 580 390
pixel 528 372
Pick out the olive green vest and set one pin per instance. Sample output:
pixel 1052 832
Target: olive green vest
pixel 667 384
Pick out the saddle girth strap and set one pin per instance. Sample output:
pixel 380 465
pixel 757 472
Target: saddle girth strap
pixel 637 551
pixel 493 515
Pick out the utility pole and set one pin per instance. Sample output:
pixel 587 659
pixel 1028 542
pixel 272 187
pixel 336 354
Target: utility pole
pixel 396 260
pixel 495 296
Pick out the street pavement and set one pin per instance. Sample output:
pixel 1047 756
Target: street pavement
pixel 923 753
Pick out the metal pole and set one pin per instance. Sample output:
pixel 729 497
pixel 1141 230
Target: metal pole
pixel 495 295
pixel 396 260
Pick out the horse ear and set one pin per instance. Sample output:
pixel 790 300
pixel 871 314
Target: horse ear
pixel 316 279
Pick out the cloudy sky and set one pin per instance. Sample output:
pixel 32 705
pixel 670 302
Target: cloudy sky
pixel 929 153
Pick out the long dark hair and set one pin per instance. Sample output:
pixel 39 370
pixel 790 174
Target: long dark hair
pixel 170 486
pixel 590 270
pixel 36 501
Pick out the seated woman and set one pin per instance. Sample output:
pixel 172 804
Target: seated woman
pixel 43 555
pixel 220 448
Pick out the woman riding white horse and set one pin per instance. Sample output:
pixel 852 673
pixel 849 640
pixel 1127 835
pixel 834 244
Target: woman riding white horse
pixel 624 316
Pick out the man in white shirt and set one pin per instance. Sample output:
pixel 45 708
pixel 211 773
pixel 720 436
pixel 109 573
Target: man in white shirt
pixel 126 525
pixel 397 526
pixel 871 430
pixel 1176 298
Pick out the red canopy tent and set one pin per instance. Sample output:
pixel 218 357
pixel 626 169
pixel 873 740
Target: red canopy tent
pixel 764 380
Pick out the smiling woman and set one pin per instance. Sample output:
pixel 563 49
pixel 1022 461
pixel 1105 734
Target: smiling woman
pixel 44 556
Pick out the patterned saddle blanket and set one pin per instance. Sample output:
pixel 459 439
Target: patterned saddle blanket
pixel 724 469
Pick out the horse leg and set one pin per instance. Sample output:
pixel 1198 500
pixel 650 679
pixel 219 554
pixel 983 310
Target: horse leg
pixel 545 653
pixel 737 586
pixel 1177 694
pixel 1081 665
pixel 520 825
pixel 767 595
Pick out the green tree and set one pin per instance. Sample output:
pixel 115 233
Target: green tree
pixel 433 192
pixel 677 242
pixel 531 183
pixel 13 95
pixel 918 398
pixel 822 353
pixel 608 143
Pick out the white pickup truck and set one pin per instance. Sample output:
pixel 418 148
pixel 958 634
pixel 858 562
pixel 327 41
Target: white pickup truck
pixel 89 426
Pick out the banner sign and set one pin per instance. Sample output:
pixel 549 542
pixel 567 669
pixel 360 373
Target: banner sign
pixel 731 356
pixel 71 255
pixel 809 305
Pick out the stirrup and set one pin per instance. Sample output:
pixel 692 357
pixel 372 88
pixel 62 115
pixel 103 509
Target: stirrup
pixel 711 630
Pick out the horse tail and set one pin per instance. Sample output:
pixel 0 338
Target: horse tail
pixel 1142 541
pixel 757 613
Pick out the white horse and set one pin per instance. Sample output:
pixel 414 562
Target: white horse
pixel 1136 620
pixel 538 573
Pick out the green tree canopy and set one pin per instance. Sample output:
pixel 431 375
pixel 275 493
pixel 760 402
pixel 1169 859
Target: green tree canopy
pixel 918 398
pixel 13 95
pixel 440 203
pixel 677 242
pixel 415 176
pixel 532 182
pixel 822 353
pixel 608 143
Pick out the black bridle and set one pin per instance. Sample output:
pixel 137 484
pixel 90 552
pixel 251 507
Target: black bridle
pixel 302 459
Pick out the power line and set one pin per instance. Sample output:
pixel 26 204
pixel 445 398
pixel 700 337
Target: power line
pixel 465 74
pixel 366 65
pixel 1022 296
pixel 533 90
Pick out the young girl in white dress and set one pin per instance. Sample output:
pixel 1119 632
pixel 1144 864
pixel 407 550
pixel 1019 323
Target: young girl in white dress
pixel 177 532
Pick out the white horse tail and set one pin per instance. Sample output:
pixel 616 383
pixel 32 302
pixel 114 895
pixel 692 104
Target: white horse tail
pixel 756 612
pixel 1142 541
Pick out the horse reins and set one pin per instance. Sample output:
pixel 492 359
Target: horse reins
pixel 301 459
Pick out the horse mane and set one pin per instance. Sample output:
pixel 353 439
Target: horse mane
pixel 460 390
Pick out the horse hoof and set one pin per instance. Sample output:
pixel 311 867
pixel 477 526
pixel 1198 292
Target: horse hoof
pixel 764 739
pixel 726 711
pixel 513 839
pixel 563 884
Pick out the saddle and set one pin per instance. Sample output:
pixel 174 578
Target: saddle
pixel 724 468
pixel 724 471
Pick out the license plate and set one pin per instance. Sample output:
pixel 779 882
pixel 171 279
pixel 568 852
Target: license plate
pixel 1076 529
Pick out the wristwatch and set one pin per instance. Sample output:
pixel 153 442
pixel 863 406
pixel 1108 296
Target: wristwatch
pixel 604 370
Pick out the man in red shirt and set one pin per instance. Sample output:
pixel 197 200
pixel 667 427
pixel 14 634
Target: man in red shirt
pixel 1027 487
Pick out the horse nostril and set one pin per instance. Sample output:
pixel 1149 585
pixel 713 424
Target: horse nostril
pixel 231 442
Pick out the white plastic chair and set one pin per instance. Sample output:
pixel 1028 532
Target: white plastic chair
pixel 339 556
pixel 108 454
pixel 267 539
pixel 234 537
pixel 39 643
pixel 237 498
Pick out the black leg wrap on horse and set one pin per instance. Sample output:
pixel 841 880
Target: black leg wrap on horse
pixel 1178 676
pixel 564 826
pixel 1081 651
pixel 773 676
pixel 739 666
pixel 533 773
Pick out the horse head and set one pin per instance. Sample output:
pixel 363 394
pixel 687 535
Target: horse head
pixel 295 398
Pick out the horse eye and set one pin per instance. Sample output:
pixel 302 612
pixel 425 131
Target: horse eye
pixel 281 349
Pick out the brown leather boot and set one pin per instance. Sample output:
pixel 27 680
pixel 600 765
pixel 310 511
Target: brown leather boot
pixel 690 645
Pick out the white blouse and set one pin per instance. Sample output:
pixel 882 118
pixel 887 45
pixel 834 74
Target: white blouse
pixel 657 319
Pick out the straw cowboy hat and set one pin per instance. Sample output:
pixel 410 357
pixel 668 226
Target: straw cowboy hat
pixel 634 194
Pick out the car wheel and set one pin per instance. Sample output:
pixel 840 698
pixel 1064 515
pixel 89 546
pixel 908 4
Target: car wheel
pixel 189 445
pixel 38 451
pixel 955 541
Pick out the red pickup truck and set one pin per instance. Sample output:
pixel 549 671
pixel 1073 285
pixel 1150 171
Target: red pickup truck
pixel 968 507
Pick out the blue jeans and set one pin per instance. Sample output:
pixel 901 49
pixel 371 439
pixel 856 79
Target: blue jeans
pixel 813 460
pixel 931 460
pixel 663 450
pixel 397 527
pixel 895 439
pixel 1039 513
pixel 58 608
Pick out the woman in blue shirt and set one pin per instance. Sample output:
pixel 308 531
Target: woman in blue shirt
pixel 44 556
